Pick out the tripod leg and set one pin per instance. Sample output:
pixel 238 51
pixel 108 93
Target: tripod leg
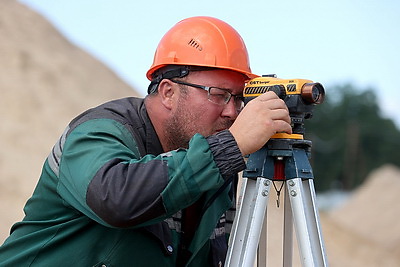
pixel 247 226
pixel 306 221
pixel 287 232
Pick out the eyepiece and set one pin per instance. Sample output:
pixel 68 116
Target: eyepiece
pixel 313 93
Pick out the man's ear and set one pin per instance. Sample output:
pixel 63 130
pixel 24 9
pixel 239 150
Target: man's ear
pixel 166 91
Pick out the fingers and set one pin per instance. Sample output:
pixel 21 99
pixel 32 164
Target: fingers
pixel 271 107
pixel 279 113
pixel 284 126
pixel 267 96
pixel 270 98
pixel 261 118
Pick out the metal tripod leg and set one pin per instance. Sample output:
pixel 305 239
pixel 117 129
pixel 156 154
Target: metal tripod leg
pixel 287 236
pixel 287 232
pixel 246 229
pixel 306 222
pixel 300 212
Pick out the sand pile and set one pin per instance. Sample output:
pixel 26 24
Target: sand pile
pixel 365 231
pixel 44 81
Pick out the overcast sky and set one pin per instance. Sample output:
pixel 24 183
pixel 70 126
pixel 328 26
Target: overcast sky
pixel 331 42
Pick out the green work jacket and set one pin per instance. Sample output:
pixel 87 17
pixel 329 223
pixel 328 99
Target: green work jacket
pixel 109 195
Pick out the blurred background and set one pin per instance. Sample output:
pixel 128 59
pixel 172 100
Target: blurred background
pixel 58 58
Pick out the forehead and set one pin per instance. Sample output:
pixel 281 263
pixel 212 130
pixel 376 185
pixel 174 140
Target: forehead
pixel 218 78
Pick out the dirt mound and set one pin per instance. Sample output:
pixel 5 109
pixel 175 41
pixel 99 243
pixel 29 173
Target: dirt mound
pixel 45 81
pixel 365 228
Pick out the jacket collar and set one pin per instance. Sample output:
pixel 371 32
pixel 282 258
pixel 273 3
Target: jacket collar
pixel 149 135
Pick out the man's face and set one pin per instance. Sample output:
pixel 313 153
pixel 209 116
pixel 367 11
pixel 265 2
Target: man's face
pixel 194 113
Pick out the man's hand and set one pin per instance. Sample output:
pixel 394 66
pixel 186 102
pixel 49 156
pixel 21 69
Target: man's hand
pixel 260 119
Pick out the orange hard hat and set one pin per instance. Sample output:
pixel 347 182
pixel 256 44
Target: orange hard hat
pixel 202 41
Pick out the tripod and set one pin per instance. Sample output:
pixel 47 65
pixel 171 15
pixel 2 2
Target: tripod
pixel 284 160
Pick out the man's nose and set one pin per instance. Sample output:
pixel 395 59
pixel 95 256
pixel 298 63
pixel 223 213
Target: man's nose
pixel 230 109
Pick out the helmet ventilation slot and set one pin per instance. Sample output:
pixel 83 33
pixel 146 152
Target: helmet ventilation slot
pixel 195 44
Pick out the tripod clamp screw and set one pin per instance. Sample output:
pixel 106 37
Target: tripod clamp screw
pixel 293 193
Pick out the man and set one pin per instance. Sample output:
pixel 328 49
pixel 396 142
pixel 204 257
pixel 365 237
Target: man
pixel 150 182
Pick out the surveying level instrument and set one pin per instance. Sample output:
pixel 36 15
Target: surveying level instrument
pixel 284 159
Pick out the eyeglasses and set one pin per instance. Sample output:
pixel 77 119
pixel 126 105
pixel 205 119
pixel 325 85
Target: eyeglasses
pixel 217 95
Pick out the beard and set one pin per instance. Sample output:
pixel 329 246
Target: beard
pixel 182 126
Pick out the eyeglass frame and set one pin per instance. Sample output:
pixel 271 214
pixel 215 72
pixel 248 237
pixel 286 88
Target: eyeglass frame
pixel 208 89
